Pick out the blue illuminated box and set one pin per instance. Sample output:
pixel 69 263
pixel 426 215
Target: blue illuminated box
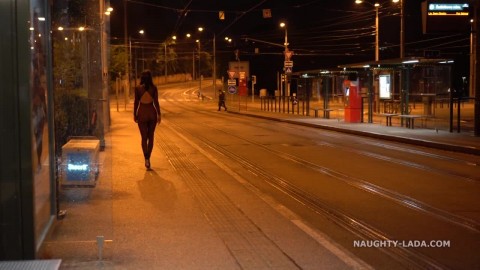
pixel 79 166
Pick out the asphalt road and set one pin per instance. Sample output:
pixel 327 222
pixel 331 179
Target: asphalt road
pixel 392 205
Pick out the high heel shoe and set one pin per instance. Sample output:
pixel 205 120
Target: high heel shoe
pixel 147 163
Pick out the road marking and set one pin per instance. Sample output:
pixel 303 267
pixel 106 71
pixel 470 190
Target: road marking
pixel 348 258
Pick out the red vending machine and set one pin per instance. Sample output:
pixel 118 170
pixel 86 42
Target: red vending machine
pixel 353 106
pixel 242 84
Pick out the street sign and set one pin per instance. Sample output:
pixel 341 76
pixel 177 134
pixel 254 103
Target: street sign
pixel 232 89
pixel 232 82
pixel 446 16
pixel 267 13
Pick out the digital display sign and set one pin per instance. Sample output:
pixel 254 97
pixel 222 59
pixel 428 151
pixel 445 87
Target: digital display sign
pixel 446 9
pixel 445 17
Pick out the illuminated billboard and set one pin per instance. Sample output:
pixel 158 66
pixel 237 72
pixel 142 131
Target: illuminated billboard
pixel 384 85
pixel 445 16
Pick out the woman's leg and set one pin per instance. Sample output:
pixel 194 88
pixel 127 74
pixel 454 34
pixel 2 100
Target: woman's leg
pixel 143 126
pixel 150 134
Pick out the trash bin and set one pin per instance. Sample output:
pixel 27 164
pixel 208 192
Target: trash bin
pixel 79 165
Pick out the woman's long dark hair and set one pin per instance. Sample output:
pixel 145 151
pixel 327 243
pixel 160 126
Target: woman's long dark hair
pixel 146 79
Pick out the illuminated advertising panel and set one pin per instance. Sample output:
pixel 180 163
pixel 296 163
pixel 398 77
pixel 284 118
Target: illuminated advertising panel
pixel 384 85
pixel 445 16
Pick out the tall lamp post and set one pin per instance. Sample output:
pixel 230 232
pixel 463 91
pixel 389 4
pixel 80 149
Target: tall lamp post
pixel 128 44
pixel 377 28
pixel 476 89
pixel 199 73
pixel 142 34
pixel 284 25
pixel 402 27
pixel 188 35
pixel 174 38
pixel 214 75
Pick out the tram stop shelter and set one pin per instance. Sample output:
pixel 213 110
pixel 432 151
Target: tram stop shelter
pixel 405 89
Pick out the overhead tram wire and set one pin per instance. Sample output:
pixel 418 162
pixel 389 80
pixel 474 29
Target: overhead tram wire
pixel 318 36
pixel 154 5
pixel 239 17
pixel 181 17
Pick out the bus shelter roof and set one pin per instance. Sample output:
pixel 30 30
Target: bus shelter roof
pixel 396 63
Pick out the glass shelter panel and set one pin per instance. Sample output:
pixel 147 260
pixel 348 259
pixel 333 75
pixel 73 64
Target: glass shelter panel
pixel 39 77
pixel 82 142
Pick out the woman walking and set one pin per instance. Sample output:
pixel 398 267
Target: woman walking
pixel 146 112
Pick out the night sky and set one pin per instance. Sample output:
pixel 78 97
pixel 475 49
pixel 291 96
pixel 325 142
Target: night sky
pixel 322 33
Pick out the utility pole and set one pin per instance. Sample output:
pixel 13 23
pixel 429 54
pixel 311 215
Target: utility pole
pixel 476 27
pixel 166 62
pixel 473 45
pixel 125 33
pixel 199 71
pixel 402 29
pixel 377 34
pixel 214 66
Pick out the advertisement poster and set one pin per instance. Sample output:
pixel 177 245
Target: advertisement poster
pixel 384 85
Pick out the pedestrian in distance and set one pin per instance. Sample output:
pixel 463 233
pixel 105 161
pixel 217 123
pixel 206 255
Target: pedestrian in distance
pixel 146 112
pixel 221 100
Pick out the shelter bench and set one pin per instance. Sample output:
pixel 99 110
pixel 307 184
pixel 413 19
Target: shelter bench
pixel 326 112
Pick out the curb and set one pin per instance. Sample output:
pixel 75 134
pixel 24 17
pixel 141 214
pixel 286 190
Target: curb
pixel 418 142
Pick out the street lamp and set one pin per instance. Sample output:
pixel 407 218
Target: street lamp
pixel 142 33
pixel 377 27
pixel 284 25
pixel 128 44
pixel 188 35
pixel 214 75
pixel 402 28
pixel 199 73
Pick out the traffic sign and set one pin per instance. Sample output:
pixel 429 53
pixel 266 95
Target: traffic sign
pixel 232 82
pixel 288 70
pixel 231 73
pixel 232 89
pixel 288 64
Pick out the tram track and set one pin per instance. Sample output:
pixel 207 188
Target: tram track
pixel 457 175
pixel 366 186
pixel 346 221
pixel 390 147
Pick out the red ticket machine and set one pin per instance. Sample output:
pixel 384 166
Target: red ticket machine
pixel 353 106
pixel 242 84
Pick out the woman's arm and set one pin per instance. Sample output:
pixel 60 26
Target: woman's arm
pixel 157 105
pixel 136 103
